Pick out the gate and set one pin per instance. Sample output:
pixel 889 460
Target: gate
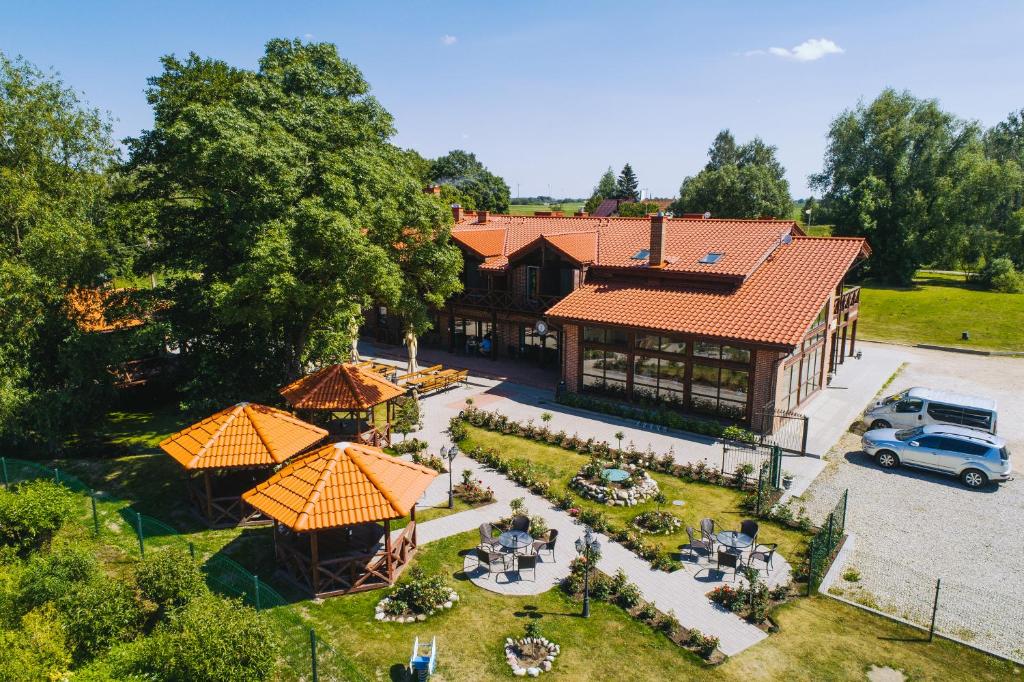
pixel 761 458
pixel 782 428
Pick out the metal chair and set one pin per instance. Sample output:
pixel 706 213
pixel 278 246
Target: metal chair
pixel 491 559
pixel 487 540
pixel 764 554
pixel 527 561
pixel 521 522
pixel 731 559
pixel 707 531
pixel 748 527
pixel 695 545
pixel 546 543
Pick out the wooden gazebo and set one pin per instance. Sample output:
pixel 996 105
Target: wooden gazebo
pixel 332 510
pixel 349 395
pixel 231 451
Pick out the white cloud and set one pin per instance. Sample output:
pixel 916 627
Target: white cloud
pixel 807 51
pixel 448 40
pixel 308 36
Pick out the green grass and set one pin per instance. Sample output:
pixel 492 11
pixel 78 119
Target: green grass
pixel 819 637
pixel 701 500
pixel 936 309
pixel 568 208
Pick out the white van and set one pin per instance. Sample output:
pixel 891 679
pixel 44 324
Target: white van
pixel 920 406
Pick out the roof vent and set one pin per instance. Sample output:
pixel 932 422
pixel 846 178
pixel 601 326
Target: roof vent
pixel 711 258
pixel 642 254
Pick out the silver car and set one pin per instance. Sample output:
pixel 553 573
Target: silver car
pixel 974 456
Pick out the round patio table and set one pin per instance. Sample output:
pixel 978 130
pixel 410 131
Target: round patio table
pixel 515 539
pixel 734 539
pixel 615 475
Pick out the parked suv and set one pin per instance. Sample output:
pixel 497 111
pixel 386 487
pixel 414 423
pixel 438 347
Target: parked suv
pixel 974 456
pixel 919 406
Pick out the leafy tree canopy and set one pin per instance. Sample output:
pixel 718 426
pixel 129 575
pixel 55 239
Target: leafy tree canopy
pixel 282 209
pixel 479 187
pixel 606 188
pixel 626 187
pixel 739 181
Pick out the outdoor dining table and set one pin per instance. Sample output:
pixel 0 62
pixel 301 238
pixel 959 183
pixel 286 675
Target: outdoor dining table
pixel 515 539
pixel 734 539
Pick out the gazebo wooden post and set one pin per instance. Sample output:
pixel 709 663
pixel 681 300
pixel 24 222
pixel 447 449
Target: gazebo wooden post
pixel 314 562
pixel 209 496
pixel 387 550
pixel 412 519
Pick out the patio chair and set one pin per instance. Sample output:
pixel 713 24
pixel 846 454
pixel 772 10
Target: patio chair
pixel 487 540
pixel 521 522
pixel 695 545
pixel 491 560
pixel 546 543
pixel 707 531
pixel 731 559
pixel 528 562
pixel 748 527
pixel 764 554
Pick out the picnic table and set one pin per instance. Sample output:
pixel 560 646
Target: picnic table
pixel 434 378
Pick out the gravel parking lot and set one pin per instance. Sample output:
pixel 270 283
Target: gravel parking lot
pixel 913 527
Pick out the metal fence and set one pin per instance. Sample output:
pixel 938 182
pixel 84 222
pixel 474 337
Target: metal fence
pixel 823 544
pixel 967 611
pixel 786 429
pixel 307 657
pixel 736 456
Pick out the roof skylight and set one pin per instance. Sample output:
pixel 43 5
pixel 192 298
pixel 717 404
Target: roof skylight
pixel 712 258
pixel 642 254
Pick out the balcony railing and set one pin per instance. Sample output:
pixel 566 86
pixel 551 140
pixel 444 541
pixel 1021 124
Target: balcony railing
pixel 505 300
pixel 848 299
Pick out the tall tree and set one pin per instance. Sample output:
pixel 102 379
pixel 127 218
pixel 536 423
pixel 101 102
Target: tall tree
pixel 604 189
pixel 626 187
pixel 739 181
pixel 887 168
pixel 282 207
pixel 462 170
pixel 53 239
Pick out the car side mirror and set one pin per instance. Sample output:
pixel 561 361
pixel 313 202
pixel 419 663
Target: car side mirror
pixel 914 443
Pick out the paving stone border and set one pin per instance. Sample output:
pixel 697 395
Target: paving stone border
pixel 511 645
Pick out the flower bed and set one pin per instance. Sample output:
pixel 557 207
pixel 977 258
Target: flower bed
pixel 530 655
pixel 416 598
pixel 472 491
pixel 751 601
pixel 657 522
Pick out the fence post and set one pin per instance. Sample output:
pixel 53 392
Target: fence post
pixel 803 439
pixel 723 458
pixel 935 608
pixel 192 550
pixel 95 515
pixel 831 516
pixel 138 531
pixel 312 652
pixel 3 465
pixel 256 589
pixel 757 497
pixel 846 497
pixel 56 475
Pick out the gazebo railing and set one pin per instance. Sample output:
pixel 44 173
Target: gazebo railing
pixel 226 510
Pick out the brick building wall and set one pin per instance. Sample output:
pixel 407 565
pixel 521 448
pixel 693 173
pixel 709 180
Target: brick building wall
pixel 571 357
pixel 765 381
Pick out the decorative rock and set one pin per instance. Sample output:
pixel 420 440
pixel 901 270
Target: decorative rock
pixel 380 615
pixel 519 672
pixel 533 672
pixel 422 617
pixel 454 596
pixel 545 666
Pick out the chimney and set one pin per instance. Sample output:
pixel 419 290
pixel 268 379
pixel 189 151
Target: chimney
pixel 481 216
pixel 581 214
pixel 432 189
pixel 657 250
pixel 457 213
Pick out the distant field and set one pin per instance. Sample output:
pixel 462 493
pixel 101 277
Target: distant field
pixel 528 209
pixel 937 308
pixel 817 230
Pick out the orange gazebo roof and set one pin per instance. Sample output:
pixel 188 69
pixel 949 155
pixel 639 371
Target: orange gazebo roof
pixel 341 484
pixel 91 309
pixel 340 387
pixel 242 436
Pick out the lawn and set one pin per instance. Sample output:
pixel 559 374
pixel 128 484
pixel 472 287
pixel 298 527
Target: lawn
pixel 700 500
pixel 568 208
pixel 936 309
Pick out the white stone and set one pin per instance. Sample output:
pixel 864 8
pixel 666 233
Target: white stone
pixel 454 596
pixel 509 641
pixel 519 672
pixel 447 605
pixel 422 617
pixel 545 666
pixel 380 615
pixel 533 672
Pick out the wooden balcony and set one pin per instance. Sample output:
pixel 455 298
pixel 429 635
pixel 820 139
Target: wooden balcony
pixel 505 300
pixel 850 298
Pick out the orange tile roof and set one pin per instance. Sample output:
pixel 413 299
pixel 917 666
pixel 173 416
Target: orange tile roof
pixel 340 387
pixel 340 485
pixel 578 246
pixel 744 243
pixel 245 435
pixel 775 305
pixel 91 307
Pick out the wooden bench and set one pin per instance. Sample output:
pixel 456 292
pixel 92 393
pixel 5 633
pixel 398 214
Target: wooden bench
pixel 420 373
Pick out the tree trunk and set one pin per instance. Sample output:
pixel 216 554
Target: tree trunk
pixel 353 329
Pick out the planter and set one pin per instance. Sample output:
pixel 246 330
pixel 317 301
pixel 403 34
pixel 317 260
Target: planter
pixel 410 617
pixel 787 483
pixel 530 656
pixel 615 494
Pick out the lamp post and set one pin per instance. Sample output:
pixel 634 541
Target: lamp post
pixel 808 212
pixel 449 455
pixel 587 546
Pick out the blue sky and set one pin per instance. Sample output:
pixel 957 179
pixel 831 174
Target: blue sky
pixel 550 94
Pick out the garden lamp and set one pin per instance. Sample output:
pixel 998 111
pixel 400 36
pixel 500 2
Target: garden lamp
pixel 449 455
pixel 586 547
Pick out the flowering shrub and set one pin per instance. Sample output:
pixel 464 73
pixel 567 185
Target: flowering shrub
pixel 419 593
pixel 432 461
pixel 657 522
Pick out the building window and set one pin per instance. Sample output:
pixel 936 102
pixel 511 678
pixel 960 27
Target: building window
pixel 707 349
pixel 812 370
pixel 659 380
pixel 663 344
pixel 719 390
pixel 609 336
pixel 604 372
pixel 532 281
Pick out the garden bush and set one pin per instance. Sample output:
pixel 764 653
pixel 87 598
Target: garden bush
pixel 418 593
pixel 98 614
pixel 213 639
pixel 170 579
pixel 406 446
pixel 31 512
pixel 48 577
pixel 999 274
pixel 36 650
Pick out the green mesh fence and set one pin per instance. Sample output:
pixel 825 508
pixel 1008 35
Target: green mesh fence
pixel 308 657
pixel 822 547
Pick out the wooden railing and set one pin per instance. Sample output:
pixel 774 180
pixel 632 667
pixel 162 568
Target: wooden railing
pixel 505 300
pixel 848 299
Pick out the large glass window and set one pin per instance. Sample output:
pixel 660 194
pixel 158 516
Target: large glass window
pixel 606 335
pixel 719 390
pixel 664 344
pixel 659 379
pixel 707 349
pixel 604 372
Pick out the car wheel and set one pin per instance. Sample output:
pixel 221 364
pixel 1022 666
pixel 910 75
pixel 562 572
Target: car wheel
pixel 973 478
pixel 880 424
pixel 887 459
